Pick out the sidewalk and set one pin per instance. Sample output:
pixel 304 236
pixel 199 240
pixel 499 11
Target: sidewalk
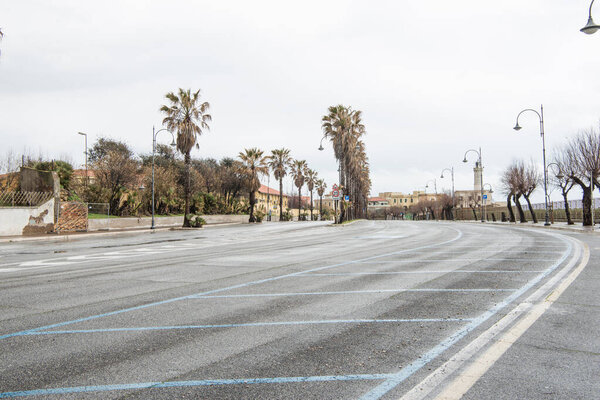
pixel 577 227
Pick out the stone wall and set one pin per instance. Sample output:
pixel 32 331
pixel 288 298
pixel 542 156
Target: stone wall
pixel 27 220
pixel 159 222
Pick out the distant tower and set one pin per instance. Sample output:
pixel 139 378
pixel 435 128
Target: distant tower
pixel 477 176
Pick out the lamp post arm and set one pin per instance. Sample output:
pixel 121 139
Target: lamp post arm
pixel 591 4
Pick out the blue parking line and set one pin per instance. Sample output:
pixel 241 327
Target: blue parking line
pixel 424 359
pixel 232 296
pixel 250 324
pixel 242 285
pixel 174 384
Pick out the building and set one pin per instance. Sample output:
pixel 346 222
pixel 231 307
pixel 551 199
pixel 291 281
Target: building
pixel 267 199
pixel 377 202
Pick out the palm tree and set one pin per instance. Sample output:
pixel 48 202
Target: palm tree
pixel 344 127
pixel 298 170
pixel 279 162
pixel 253 164
pixel 188 117
pixel 321 186
pixel 311 179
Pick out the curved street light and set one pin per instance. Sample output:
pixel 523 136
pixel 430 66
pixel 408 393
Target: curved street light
pixel 518 128
pixel 480 177
pixel 451 170
pixel 434 185
pixel 591 26
pixel 559 175
pixel 173 144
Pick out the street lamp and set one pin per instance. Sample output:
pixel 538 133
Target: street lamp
pixel 480 164
pixel 86 157
pixel 451 170
pixel 434 185
pixel 591 26
pixel 173 144
pixel 559 175
pixel 518 128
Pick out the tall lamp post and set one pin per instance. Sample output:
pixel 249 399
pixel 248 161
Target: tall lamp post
pixel 483 200
pixel 173 144
pixel 480 164
pixel 86 157
pixel 591 26
pixel 518 128
pixel 451 170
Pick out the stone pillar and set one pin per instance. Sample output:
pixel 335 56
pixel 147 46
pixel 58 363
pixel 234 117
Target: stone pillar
pixel 477 177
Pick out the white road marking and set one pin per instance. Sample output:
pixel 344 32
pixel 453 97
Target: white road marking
pixel 532 312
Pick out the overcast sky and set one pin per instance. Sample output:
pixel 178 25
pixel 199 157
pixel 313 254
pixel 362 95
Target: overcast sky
pixel 433 78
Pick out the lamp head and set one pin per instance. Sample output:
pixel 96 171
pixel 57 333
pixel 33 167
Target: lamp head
pixel 81 133
pixel 465 160
pixel 590 27
pixel 442 176
pixel 517 127
pixel 173 144
pixel 560 175
pixel 321 147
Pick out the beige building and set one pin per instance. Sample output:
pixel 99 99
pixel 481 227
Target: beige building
pixel 399 199
pixel 267 199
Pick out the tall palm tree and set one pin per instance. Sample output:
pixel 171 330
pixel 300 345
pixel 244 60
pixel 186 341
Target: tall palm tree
pixel 344 127
pixel 321 186
pixel 279 161
pixel 187 116
pixel 311 180
pixel 253 164
pixel 298 170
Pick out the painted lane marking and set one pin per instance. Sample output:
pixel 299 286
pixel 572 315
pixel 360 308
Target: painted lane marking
pixel 453 260
pixel 251 324
pixel 238 286
pixel 231 296
pixel 485 361
pixel 445 344
pixel 173 384
pixel 9 269
pixel 462 271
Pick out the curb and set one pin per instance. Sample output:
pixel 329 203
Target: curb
pixel 122 231
pixel 588 230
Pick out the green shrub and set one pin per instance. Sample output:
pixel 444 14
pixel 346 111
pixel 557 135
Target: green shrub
pixel 196 221
pixel 259 215
pixel 303 217
pixel 286 215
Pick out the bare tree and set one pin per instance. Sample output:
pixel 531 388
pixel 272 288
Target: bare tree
pixel 510 186
pixel 563 181
pixel 583 167
pixel 528 178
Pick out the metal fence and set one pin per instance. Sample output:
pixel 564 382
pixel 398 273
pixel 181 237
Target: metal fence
pixel 100 213
pixel 24 199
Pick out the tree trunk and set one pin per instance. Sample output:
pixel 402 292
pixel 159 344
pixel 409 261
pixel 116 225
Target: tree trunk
pixel 299 201
pixel 186 221
pixel 474 213
pixel 567 209
pixel 519 209
pixel 311 205
pixel 252 196
pixel 533 217
pixel 321 207
pixel 587 206
pixel 280 199
pixel 511 214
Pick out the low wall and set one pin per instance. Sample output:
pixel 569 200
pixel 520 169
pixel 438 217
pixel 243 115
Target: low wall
pixel 159 222
pixel 27 220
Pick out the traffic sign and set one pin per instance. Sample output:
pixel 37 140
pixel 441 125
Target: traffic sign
pixel 335 194
pixel 347 198
pixel 485 196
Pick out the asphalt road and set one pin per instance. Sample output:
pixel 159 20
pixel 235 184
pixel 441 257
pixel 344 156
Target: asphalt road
pixel 371 310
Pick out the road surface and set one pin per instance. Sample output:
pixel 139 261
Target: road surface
pixel 375 309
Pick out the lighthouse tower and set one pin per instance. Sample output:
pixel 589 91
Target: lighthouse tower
pixel 477 171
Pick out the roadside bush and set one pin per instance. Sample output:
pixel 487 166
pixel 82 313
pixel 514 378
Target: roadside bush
pixel 303 217
pixel 259 215
pixel 196 221
pixel 286 215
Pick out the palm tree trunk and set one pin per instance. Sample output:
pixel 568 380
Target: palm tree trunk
pixel 299 201
pixel 311 205
pixel 280 199
pixel 321 206
pixel 252 196
pixel 187 159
